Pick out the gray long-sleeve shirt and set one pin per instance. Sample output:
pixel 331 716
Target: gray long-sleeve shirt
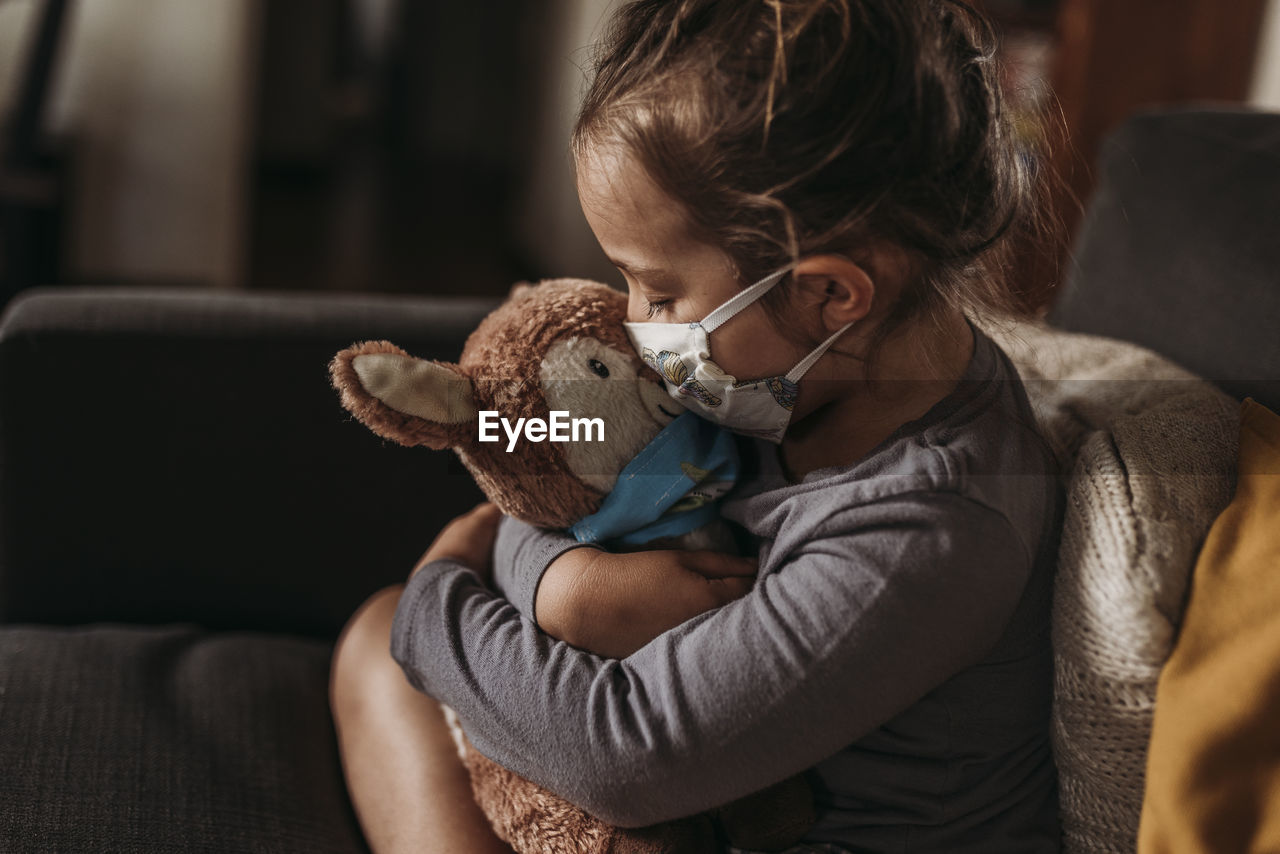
pixel 896 642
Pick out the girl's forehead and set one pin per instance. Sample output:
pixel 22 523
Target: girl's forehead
pixel 618 184
pixel 626 209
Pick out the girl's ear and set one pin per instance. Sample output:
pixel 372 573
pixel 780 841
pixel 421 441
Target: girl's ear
pixel 405 399
pixel 843 288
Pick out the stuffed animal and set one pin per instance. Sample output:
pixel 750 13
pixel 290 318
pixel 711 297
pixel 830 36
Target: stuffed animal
pixel 560 346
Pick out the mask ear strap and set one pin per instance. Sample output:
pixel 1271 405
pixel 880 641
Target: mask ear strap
pixel 741 300
pixel 807 362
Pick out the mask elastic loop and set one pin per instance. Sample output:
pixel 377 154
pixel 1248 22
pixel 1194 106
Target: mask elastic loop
pixel 807 362
pixel 741 300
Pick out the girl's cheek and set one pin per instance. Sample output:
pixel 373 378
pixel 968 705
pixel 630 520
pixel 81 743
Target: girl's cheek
pixel 751 350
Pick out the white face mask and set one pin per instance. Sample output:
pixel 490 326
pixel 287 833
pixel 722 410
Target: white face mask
pixel 681 353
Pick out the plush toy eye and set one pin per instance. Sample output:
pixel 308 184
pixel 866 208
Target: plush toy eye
pixel 600 368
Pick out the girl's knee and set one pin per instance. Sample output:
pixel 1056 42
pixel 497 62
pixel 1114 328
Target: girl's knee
pixel 365 643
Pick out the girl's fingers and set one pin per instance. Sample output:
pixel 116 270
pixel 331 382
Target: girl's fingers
pixel 717 565
pixel 734 587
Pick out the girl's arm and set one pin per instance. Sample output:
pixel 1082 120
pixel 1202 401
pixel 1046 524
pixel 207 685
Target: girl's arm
pixel 610 604
pixel 521 556
pixel 833 641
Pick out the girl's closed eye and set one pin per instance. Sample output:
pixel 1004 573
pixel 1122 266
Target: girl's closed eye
pixel 656 307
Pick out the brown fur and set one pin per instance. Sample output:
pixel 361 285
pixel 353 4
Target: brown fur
pixel 502 359
pixel 382 419
pixel 529 818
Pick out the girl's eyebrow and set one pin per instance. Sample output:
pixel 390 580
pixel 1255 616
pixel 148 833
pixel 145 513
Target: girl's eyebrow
pixel 653 273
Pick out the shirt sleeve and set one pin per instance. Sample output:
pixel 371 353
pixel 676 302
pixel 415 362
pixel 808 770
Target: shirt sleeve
pixel 836 638
pixel 521 555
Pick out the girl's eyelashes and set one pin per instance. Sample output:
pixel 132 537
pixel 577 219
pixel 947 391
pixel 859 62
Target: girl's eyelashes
pixel 654 308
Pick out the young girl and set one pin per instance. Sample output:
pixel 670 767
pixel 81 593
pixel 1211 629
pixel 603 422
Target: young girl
pixel 817 194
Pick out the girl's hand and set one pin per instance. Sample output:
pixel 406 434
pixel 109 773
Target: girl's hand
pixel 468 539
pixel 613 604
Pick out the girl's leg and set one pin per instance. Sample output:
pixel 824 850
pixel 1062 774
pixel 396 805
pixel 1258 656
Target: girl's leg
pixel 410 789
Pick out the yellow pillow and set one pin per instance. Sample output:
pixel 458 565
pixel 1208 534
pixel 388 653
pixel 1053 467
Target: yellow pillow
pixel 1213 768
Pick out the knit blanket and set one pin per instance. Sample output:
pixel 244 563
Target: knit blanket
pixel 1148 451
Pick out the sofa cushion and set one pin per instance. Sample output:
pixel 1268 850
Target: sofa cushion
pixel 1149 455
pixel 1214 767
pixel 168 739
pixel 1179 253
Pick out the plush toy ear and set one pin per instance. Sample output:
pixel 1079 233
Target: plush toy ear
pixel 402 398
pixel 521 290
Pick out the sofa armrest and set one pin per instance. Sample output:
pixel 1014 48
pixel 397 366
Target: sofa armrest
pixel 171 455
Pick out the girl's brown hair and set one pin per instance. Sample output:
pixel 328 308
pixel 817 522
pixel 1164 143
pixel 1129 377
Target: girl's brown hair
pixel 787 128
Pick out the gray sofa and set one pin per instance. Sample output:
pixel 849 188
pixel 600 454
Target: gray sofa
pixel 187 516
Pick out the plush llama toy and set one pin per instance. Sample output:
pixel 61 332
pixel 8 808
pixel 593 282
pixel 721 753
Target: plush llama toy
pixel 557 346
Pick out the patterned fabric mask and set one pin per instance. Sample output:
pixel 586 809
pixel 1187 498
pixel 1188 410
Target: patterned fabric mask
pixel 681 354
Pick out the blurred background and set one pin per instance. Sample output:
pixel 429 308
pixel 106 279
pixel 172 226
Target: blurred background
pixel 420 146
